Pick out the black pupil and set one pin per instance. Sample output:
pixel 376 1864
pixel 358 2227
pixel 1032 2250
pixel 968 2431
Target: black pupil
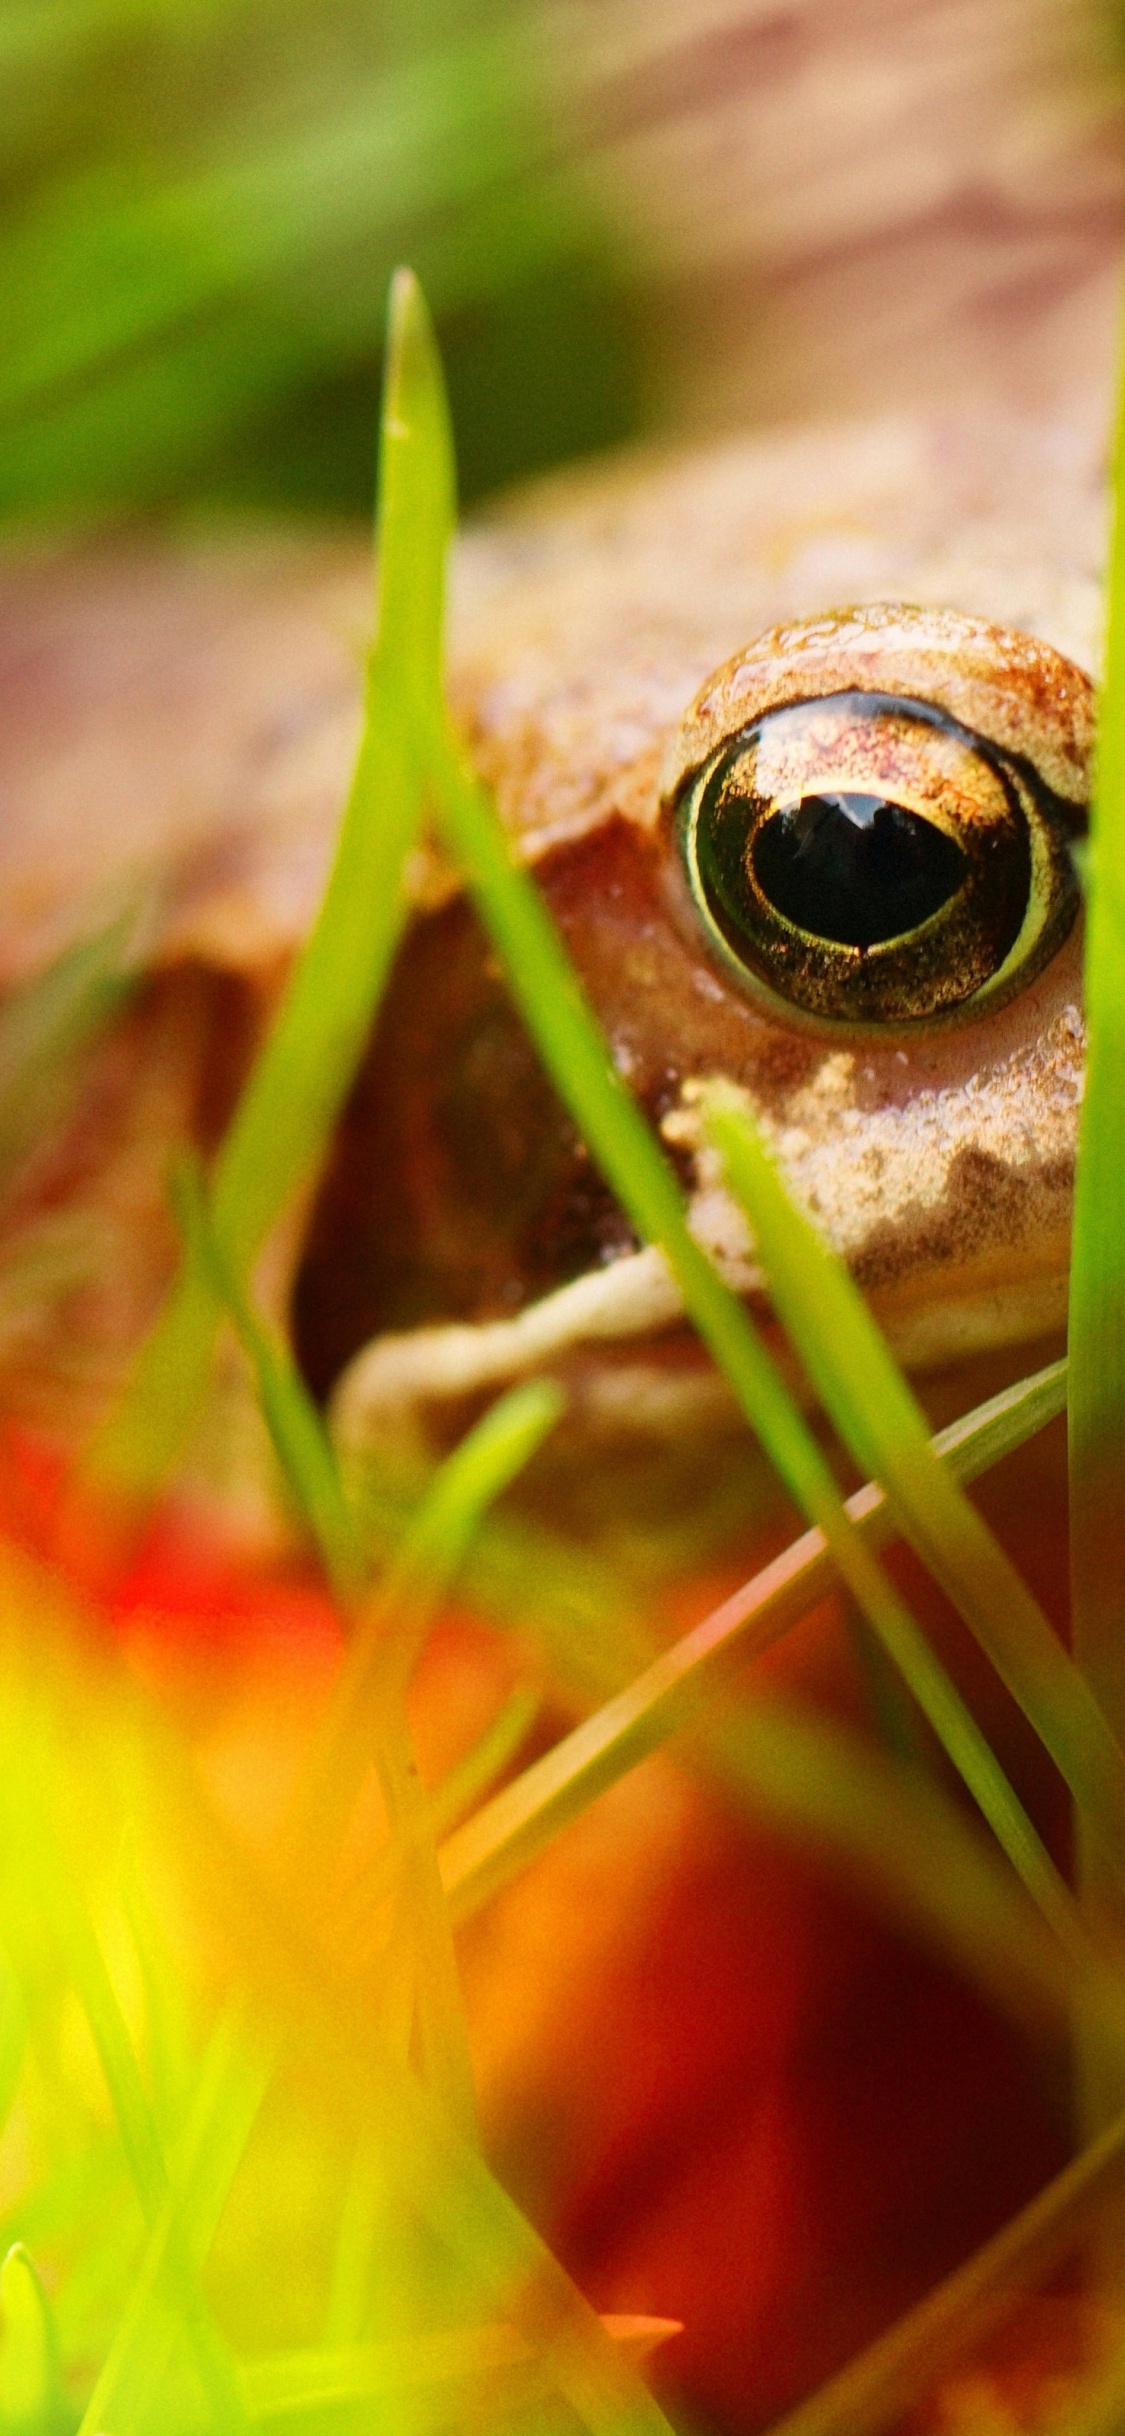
pixel 855 868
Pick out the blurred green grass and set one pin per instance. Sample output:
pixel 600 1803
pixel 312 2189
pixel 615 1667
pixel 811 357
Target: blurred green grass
pixel 200 205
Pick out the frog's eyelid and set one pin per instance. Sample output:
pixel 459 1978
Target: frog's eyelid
pixel 1073 817
pixel 992 681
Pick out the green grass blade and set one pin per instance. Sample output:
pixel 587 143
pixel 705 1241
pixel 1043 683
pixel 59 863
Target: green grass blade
pixel 391 1626
pixel 481 2226
pixel 32 2399
pixel 420 1957
pixel 51 1881
pixel 459 1793
pixel 1097 1282
pixel 490 2360
pixel 13 2039
pixel 91 1980
pixel 469 1780
pixel 167 2041
pixel 1006 1421
pixel 1097 1285
pixel 360 2238
pixel 485 1462
pixel 669 1695
pixel 366 1722
pixel 296 1089
pixel 228 2097
pixel 875 1413
pixel 300 1440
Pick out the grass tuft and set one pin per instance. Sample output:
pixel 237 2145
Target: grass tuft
pixel 878 1418
pixel 299 1083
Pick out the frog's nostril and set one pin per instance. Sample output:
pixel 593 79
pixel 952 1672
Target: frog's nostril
pixel 855 868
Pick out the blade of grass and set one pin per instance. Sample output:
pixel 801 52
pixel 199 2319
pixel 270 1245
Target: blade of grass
pixel 435 1545
pixel 32 2398
pixel 479 2223
pixel 578 1060
pixel 367 1714
pixel 295 1426
pixel 875 2391
pixel 297 1087
pixel 59 1901
pixel 366 1721
pixel 228 2096
pixel 873 1409
pixel 13 2039
pixel 276 2389
pixel 468 1781
pixel 1097 1277
pixel 391 1626
pixel 57 1896
pixel 421 1936
pixel 1097 1285
pixel 366 1717
pixel 167 2043
pixel 357 2247
pixel 518 1822
pixel 447 1805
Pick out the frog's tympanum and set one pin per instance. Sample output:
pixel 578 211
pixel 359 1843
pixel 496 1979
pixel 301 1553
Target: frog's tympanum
pixel 796 833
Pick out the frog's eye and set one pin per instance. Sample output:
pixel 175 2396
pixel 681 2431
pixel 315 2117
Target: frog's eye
pixel 866 855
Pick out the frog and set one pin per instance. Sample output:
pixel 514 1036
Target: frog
pixel 191 713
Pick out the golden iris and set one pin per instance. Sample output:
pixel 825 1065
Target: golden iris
pixel 868 859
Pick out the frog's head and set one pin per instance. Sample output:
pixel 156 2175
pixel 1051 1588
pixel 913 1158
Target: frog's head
pixel 841 877
pixel 833 868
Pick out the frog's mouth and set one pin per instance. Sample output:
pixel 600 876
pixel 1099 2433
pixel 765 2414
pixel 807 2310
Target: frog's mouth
pixel 617 1338
pixel 463 1239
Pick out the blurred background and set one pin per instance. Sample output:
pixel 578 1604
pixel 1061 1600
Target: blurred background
pixel 633 217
